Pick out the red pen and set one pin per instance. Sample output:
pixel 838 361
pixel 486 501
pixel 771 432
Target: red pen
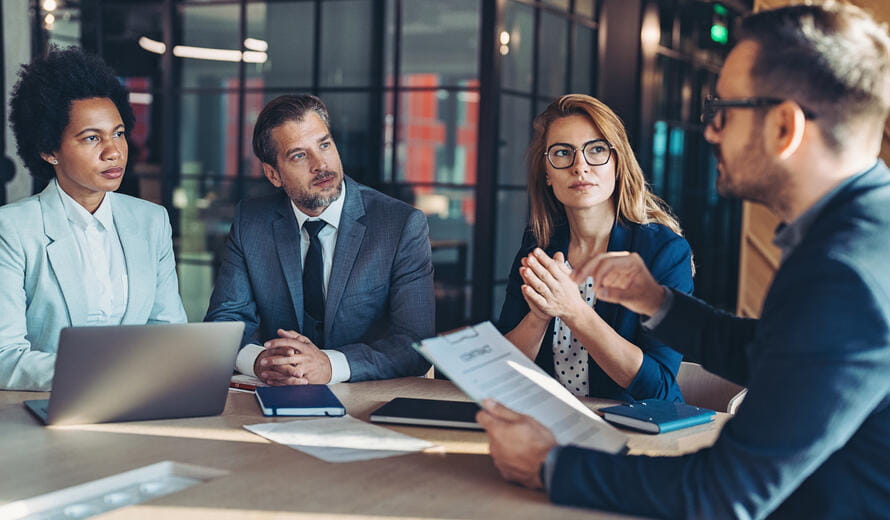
pixel 242 386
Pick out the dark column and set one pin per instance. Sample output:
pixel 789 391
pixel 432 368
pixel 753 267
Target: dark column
pixel 487 162
pixel 7 168
pixel 619 61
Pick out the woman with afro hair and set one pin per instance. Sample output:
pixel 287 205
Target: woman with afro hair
pixel 76 254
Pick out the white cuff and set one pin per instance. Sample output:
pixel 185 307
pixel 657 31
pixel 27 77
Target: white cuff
pixel 339 366
pixel 653 321
pixel 247 357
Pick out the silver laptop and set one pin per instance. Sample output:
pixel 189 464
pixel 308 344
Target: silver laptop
pixel 140 372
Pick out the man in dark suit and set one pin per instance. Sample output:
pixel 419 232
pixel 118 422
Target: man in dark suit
pixel 798 125
pixel 333 280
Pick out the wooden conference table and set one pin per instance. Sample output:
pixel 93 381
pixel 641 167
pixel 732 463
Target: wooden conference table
pixel 268 480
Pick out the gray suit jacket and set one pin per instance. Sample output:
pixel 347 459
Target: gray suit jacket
pixel 41 290
pixel 380 293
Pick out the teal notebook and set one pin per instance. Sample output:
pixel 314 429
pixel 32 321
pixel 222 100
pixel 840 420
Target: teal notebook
pixel 656 415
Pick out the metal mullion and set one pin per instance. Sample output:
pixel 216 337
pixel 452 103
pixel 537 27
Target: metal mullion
pixel 169 112
pixel 6 165
pixel 595 52
pixel 377 109
pixel 570 48
pixel 517 93
pixel 691 59
pixel 316 49
pixel 576 18
pixel 38 36
pixel 100 14
pixel 396 88
pixel 536 52
pixel 490 63
pixel 242 80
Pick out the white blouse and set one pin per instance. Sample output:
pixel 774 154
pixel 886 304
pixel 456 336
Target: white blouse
pixel 101 257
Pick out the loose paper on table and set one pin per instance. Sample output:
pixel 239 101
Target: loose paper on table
pixel 339 439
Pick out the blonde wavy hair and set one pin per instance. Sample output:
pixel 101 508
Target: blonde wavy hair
pixel 634 202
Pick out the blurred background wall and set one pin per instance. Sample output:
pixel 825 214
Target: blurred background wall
pixel 431 100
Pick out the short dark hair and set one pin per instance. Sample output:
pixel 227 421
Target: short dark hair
pixel 40 104
pixel 833 59
pixel 290 107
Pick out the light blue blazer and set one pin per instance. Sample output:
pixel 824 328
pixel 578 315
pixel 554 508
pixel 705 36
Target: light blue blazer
pixel 41 290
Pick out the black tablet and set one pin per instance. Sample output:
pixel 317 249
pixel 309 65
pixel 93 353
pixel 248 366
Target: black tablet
pixel 428 412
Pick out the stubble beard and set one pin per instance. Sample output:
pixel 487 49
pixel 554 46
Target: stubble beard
pixel 750 177
pixel 305 199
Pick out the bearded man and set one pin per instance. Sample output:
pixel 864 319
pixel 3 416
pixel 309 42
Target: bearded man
pixel 333 280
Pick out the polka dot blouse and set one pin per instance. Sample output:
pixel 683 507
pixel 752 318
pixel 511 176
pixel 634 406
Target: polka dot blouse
pixel 569 355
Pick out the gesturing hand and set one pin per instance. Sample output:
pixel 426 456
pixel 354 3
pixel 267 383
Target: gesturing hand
pixel 623 278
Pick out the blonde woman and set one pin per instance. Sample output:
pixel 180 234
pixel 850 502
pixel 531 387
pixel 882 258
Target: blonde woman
pixel 588 196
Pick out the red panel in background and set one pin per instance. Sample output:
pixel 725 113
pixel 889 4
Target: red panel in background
pixel 422 132
pixel 137 139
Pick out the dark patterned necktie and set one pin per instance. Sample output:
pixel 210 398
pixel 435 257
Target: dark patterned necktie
pixel 313 284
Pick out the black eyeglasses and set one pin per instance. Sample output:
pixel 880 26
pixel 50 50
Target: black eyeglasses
pixel 714 110
pixel 562 155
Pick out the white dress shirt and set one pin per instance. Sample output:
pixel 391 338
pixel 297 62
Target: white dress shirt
pixel 328 237
pixel 101 259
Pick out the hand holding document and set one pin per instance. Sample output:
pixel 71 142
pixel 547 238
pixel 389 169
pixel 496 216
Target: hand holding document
pixel 484 364
pixel 340 439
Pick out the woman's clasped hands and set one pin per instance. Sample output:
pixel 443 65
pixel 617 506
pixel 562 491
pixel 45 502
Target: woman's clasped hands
pixel 549 288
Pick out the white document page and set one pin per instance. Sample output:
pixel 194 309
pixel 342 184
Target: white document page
pixel 339 439
pixel 484 364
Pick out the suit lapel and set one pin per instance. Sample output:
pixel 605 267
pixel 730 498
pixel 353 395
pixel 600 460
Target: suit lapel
pixel 621 239
pixel 138 256
pixel 287 245
pixel 350 235
pixel 62 253
pixel 559 241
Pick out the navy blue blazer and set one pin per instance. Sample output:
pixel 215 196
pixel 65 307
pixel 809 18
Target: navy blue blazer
pixel 812 438
pixel 668 257
pixel 380 293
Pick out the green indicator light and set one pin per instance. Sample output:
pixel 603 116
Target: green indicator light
pixel 719 34
pixel 721 10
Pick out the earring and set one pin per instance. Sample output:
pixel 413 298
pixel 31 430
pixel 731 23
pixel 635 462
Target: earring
pixel 55 161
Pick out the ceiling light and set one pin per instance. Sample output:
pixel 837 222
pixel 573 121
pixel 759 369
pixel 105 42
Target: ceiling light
pixel 256 45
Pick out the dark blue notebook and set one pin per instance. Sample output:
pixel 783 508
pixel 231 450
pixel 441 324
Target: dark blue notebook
pixel 298 400
pixel 656 415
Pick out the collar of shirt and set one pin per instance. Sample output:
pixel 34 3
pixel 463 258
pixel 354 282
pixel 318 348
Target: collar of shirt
pixel 331 214
pixel 789 236
pixel 82 218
